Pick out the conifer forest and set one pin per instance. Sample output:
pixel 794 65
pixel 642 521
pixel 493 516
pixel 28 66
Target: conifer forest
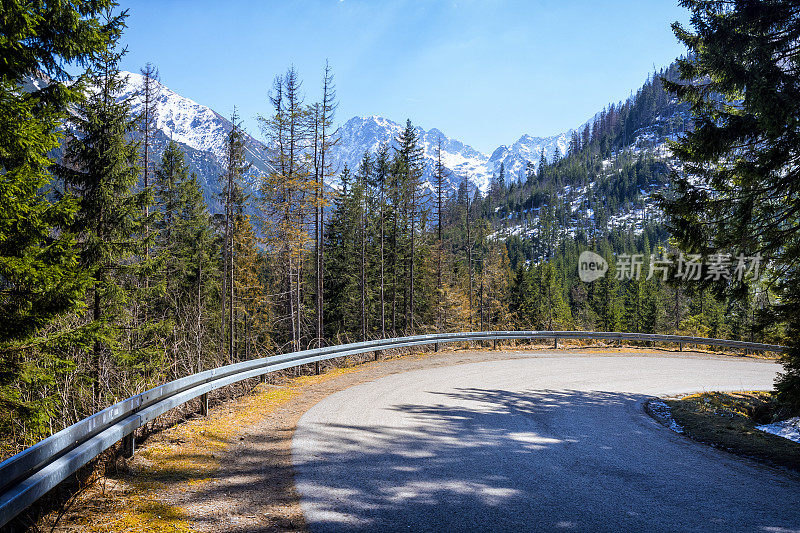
pixel 120 269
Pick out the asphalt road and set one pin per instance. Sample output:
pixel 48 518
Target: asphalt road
pixel 537 443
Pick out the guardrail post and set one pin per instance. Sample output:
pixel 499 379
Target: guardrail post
pixel 204 404
pixel 555 343
pixel 494 344
pixel 680 346
pixel 316 367
pixel 436 347
pixel 128 445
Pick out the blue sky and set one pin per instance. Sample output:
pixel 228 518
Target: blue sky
pixel 484 72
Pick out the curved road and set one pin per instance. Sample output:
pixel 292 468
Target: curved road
pixel 535 443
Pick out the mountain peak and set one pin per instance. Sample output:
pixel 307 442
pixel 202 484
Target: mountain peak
pixel 200 128
pixel 499 152
pixel 182 119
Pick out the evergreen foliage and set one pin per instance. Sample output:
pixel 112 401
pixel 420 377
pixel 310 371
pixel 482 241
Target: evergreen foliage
pixel 117 277
pixel 101 169
pixel 42 279
pixel 738 192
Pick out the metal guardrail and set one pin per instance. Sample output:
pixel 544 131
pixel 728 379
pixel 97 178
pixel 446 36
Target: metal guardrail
pixel 29 475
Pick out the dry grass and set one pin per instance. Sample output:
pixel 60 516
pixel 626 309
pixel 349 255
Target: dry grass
pixel 176 460
pixel 728 421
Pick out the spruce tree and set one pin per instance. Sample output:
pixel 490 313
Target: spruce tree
pixel 197 266
pixel 361 191
pixel 233 200
pixel 101 168
pixel 411 165
pixel 381 173
pixel 42 276
pixel 738 192
pixel 439 175
pixel 164 247
pixel 342 272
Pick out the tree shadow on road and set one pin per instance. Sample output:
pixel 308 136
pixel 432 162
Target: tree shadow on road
pixel 485 459
pixel 464 464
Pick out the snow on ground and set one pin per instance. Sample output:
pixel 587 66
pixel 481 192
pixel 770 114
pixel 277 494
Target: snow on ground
pixel 662 412
pixel 788 429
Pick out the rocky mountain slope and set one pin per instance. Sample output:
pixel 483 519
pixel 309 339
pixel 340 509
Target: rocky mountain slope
pixel 366 134
pixel 200 131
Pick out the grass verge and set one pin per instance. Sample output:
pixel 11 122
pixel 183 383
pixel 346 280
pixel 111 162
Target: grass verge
pixel 728 420
pixel 140 497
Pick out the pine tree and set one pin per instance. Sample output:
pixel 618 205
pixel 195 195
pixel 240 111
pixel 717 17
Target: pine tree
pixel 360 193
pixel 102 170
pixel 342 273
pixel 149 94
pixel 42 276
pixel 738 192
pixel 287 194
pixel 409 153
pixel 163 247
pixel 233 200
pixel 251 307
pixel 554 310
pixel 381 172
pixel 324 140
pixel 469 245
pixel 439 175
pixel 497 287
pixel 197 268
pixel 169 176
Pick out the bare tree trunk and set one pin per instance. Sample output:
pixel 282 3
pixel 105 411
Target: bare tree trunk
pixel 383 304
pixel 318 182
pixel 149 95
pixel 363 224
pixel 328 109
pixel 469 252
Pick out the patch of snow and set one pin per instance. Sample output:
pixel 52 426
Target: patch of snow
pixel 662 411
pixel 788 429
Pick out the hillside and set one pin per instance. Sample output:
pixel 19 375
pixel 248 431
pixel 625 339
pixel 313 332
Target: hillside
pixel 613 167
pixel 201 133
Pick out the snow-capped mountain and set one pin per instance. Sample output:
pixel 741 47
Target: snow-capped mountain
pixel 365 134
pixel 181 119
pixel 515 158
pixel 361 135
pixel 201 132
